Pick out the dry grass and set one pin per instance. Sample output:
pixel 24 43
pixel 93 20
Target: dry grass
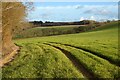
pixel 6 59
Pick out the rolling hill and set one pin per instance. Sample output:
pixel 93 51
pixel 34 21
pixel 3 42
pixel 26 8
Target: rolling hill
pixel 92 54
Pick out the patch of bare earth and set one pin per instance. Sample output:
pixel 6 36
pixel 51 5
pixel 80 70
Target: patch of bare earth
pixel 9 57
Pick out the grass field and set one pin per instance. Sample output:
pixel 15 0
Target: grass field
pixel 83 55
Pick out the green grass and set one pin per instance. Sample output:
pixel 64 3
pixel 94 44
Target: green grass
pixel 40 61
pixel 34 55
pixel 110 25
pixel 99 67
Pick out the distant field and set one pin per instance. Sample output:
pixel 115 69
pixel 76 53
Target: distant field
pixel 62 26
pixel 50 31
pixel 83 55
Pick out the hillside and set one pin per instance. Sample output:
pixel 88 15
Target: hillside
pixel 49 31
pixel 60 30
pixel 108 26
pixel 84 55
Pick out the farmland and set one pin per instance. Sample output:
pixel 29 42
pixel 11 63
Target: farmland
pixel 92 54
pixel 50 31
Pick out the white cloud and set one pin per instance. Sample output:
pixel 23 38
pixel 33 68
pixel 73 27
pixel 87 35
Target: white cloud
pixel 78 6
pixel 92 18
pixel 101 6
pixel 62 0
pixel 102 10
pixel 82 18
pixel 76 12
pixel 61 7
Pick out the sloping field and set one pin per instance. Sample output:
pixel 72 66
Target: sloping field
pixel 48 31
pixel 85 55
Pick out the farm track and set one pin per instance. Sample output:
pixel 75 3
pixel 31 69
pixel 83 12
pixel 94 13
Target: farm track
pixel 92 52
pixel 76 63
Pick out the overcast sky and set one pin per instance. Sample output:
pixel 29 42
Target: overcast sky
pixel 73 11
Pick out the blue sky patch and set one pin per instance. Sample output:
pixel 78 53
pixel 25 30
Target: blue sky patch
pixel 73 11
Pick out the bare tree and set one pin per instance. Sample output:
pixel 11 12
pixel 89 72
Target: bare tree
pixel 0 29
pixel 13 15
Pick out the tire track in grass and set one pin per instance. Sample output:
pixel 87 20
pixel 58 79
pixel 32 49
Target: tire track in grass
pixel 92 52
pixel 76 63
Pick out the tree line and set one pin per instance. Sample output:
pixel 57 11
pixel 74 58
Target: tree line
pixel 48 23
